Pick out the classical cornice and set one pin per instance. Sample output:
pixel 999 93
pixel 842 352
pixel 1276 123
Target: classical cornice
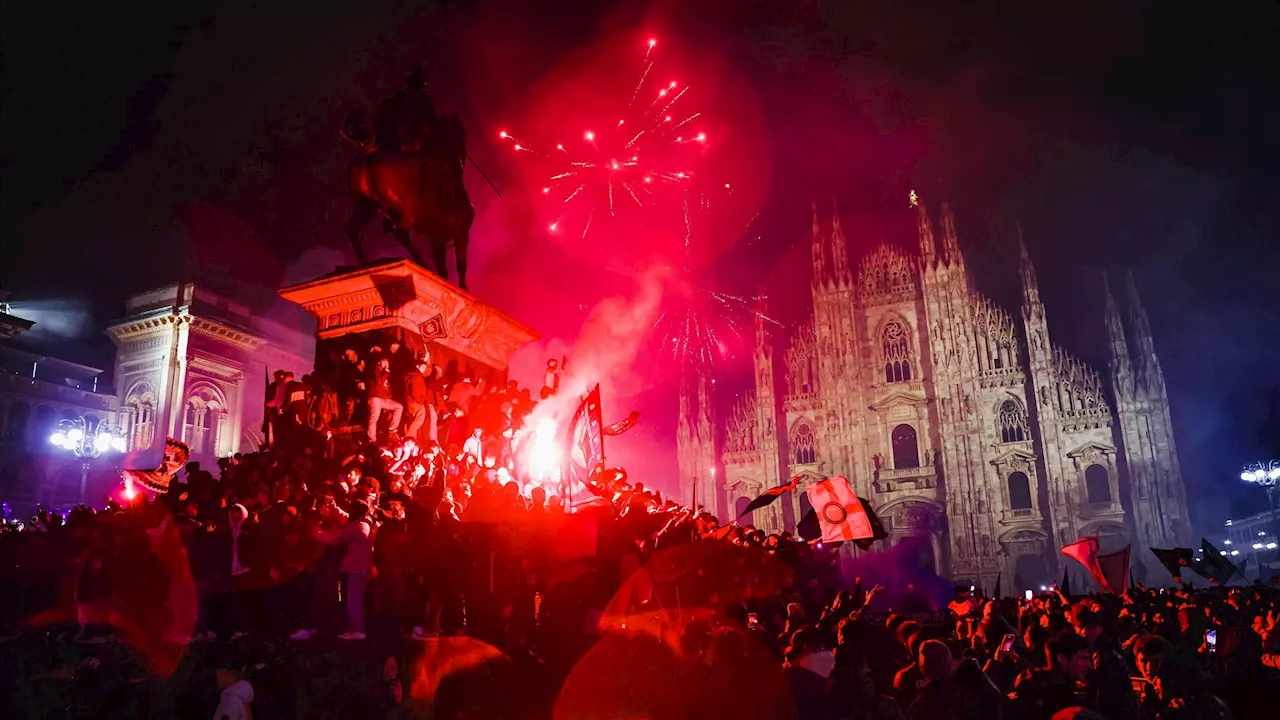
pixel 215 367
pixel 402 294
pixel 226 334
pixel 141 326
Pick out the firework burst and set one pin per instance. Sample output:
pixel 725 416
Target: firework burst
pixel 630 164
pixel 700 325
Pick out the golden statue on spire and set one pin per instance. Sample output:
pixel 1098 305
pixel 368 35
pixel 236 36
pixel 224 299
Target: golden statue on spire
pixel 914 198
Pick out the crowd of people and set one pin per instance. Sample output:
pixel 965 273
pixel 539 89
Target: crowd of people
pixel 422 552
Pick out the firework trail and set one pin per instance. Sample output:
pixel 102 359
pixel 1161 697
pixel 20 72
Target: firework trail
pixel 633 168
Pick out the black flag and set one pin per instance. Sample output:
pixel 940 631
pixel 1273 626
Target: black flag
pixel 1173 559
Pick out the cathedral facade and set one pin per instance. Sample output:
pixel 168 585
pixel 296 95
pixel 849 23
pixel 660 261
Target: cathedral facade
pixel 981 443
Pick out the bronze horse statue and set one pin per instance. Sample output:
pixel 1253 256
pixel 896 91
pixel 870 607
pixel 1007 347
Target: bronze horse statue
pixel 416 185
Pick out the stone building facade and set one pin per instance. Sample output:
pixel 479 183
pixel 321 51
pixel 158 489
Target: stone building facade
pixel 191 363
pixel 982 444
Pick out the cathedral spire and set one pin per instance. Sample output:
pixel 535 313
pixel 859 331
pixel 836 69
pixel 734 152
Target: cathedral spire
pixel 839 249
pixel 925 228
pixel 950 242
pixel 1138 319
pixel 762 316
pixel 1030 288
pixel 1115 328
pixel 819 250
pixel 1121 363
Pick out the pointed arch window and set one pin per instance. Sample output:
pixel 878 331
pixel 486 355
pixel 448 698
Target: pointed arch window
pixel 739 508
pixel 896 350
pixel 906 450
pixel 1097 484
pixel 1013 422
pixel 1019 491
pixel 804 446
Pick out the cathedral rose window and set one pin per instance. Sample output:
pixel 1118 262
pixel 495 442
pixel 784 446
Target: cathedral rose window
pixel 897 352
pixel 1013 422
pixel 804 446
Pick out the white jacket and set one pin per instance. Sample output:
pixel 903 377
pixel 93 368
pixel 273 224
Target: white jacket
pixel 235 703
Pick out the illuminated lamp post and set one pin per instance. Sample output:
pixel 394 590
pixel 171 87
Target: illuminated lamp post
pixel 1266 475
pixel 87 442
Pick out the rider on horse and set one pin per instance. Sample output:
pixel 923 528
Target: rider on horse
pixel 405 119
pixel 432 200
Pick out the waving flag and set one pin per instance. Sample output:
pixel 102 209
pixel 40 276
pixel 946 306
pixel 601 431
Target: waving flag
pixel 768 497
pixel 585 447
pixel 1085 552
pixel 1115 569
pixel 1214 565
pixel 1173 559
pixel 842 515
pixel 176 454
pixel 623 425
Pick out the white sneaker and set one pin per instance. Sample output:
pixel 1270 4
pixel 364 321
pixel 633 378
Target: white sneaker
pixel 351 636
pixel 301 635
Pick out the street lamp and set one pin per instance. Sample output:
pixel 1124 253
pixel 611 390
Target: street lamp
pixel 1266 475
pixel 87 442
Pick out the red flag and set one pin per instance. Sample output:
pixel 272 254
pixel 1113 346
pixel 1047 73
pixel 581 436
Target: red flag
pixel 768 497
pixel 1115 570
pixel 841 514
pixel 1085 552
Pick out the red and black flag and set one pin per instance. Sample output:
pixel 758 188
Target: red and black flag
pixel 1085 552
pixel 768 497
pixel 1115 568
pixel 623 425
pixel 585 451
pixel 1173 559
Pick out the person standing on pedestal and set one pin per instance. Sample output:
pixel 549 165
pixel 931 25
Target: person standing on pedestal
pixel 418 401
pixel 380 399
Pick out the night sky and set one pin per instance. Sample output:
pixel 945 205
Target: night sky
pixel 201 139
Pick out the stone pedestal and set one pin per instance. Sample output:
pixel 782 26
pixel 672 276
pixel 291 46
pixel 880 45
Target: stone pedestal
pixel 399 301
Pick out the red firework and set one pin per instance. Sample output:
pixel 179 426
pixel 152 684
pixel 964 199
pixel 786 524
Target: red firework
pixel 631 164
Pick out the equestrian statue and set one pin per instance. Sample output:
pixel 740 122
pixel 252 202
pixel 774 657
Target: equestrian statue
pixel 409 169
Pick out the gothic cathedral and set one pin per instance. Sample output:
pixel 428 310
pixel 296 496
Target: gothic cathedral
pixel 982 445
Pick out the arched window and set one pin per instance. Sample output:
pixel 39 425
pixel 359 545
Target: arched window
pixel 906 451
pixel 804 446
pixel 897 352
pixel 1097 484
pixel 805 506
pixel 1013 422
pixel 1019 491
pixel 139 413
pixel 209 429
pixel 741 507
pixel 190 413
